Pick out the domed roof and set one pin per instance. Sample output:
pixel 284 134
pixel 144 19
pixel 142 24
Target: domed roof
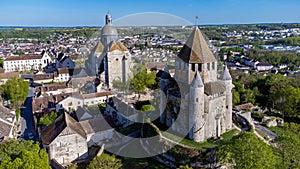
pixel 109 30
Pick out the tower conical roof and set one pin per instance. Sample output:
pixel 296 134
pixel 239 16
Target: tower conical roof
pixel 225 74
pixel 197 81
pixel 196 49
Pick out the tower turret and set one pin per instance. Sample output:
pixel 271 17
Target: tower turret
pixel 226 78
pixel 164 83
pixel 196 111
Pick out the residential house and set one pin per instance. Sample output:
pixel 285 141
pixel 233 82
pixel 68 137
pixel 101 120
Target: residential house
pixel 63 74
pixel 77 100
pixel 7 122
pixel 64 62
pixel 121 113
pixel 26 62
pixel 65 140
pixel 98 130
pixel 5 76
pixel 263 66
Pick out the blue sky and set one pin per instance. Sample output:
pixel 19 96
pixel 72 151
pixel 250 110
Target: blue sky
pixel 91 12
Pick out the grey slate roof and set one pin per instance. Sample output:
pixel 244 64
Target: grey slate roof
pixel 62 122
pixel 225 74
pixel 196 49
pixel 216 87
pixel 197 81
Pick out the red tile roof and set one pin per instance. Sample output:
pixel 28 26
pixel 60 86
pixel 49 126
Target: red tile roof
pixel 23 57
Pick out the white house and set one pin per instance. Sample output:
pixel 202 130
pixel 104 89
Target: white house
pixel 75 101
pixel 26 62
pixel 263 66
pixel 98 130
pixel 62 75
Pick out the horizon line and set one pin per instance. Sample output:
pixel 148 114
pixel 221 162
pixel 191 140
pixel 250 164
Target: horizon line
pixel 94 26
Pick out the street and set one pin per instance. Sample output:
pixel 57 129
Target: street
pixel 265 131
pixel 27 114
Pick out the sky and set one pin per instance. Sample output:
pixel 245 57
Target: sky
pixel 92 12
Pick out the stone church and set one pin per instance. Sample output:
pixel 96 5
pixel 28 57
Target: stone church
pixel 109 60
pixel 198 96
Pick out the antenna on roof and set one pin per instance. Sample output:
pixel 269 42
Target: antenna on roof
pixel 196 20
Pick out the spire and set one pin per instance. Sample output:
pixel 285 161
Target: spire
pixel 225 74
pixel 196 49
pixel 197 81
pixel 108 18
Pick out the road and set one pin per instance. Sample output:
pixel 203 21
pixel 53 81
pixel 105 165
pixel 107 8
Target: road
pixel 27 115
pixel 265 131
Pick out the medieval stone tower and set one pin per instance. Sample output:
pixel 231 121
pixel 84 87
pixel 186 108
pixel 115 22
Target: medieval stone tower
pixel 205 97
pixel 110 59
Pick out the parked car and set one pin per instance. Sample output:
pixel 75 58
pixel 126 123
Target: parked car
pixel 30 136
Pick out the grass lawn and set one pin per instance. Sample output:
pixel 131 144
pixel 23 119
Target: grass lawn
pixel 203 145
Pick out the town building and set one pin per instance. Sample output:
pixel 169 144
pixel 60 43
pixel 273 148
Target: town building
pixel 26 62
pixel 65 140
pixel 201 101
pixel 109 59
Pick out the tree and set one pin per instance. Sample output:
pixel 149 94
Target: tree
pixel 24 154
pixel 146 108
pixel 185 167
pixel 48 118
pixel 15 90
pixel 288 144
pixel 105 161
pixel 142 80
pixel 247 151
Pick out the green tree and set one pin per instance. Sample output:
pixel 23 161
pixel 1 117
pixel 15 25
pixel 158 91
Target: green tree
pixel 146 108
pixel 15 90
pixel 1 62
pixel 235 97
pixel 141 80
pixel 288 144
pixel 24 154
pixel 47 119
pixel 184 167
pixel 247 151
pixel 105 161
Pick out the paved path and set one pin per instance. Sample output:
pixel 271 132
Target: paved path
pixel 266 131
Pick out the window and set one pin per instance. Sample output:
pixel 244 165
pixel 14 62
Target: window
pixel 200 67
pixel 208 66
pixel 213 65
pixel 197 100
pixel 193 66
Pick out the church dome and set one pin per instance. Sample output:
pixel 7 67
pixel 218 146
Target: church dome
pixel 109 30
pixel 108 33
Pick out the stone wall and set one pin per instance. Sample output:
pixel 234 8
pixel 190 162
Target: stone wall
pixel 68 147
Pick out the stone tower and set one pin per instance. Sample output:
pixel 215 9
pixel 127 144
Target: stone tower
pixel 196 109
pixel 201 99
pixel 226 78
